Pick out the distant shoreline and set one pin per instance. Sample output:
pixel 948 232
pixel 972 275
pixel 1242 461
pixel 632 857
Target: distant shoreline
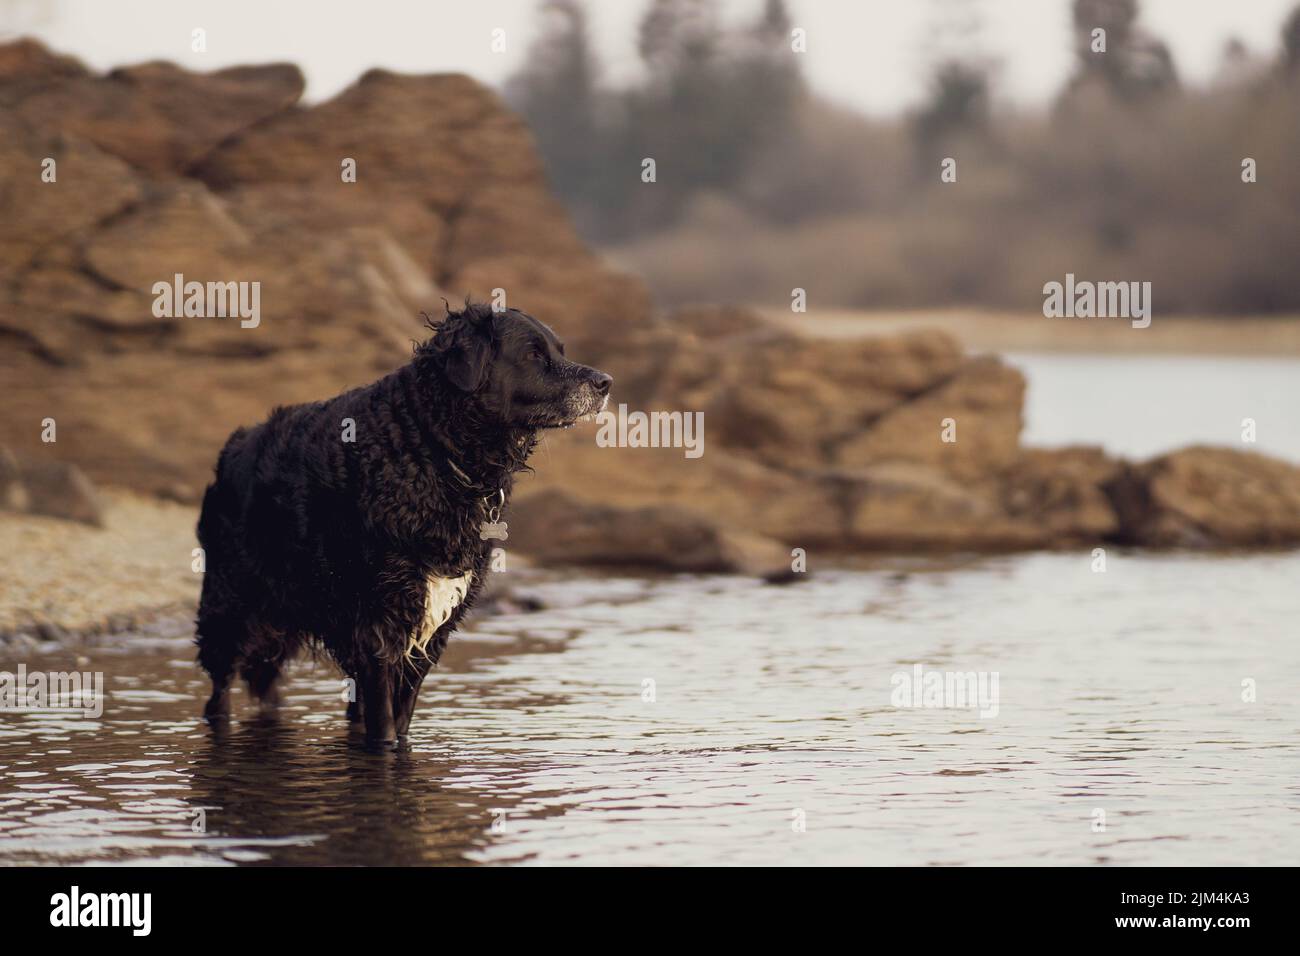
pixel 990 331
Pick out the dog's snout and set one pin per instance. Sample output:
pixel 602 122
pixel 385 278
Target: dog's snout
pixel 601 382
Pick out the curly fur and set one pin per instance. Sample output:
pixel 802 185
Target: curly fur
pixel 313 541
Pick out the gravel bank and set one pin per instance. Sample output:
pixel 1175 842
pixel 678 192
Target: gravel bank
pixel 60 578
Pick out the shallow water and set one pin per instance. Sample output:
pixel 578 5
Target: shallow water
pixel 1143 405
pixel 771 736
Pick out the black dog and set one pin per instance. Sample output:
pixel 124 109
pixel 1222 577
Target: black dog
pixel 370 547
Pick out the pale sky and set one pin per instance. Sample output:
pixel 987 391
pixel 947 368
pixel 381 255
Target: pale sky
pixel 870 54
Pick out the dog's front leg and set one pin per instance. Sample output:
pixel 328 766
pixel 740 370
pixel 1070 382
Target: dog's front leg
pixel 377 693
pixel 409 680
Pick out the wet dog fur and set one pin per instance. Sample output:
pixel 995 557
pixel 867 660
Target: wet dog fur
pixel 370 549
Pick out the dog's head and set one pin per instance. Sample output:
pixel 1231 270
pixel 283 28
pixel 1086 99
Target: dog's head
pixel 514 368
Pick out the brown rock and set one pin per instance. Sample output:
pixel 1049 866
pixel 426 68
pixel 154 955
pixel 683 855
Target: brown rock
pixel 354 293
pixel 75 292
pixel 1208 497
pixel 50 339
pixel 498 219
pixel 905 505
pixel 13 495
pixel 554 527
pixel 442 136
pixel 272 211
pixel 833 445
pixel 721 486
pixel 587 303
pixel 90 186
pixel 790 400
pixel 1063 492
pixel 1046 499
pixel 780 398
pixel 984 398
pixel 451 174
pixel 156 116
pixel 28 64
pixel 48 487
pixel 180 228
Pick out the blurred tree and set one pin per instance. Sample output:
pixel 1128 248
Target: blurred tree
pixel 1133 63
pixel 774 24
pixel 715 99
pixel 556 93
pixel 1291 42
pixel 712 101
pixel 1116 17
pixel 959 102
pixel 677 36
pixel 1238 67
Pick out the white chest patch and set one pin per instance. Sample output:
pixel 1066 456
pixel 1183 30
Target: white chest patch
pixel 441 598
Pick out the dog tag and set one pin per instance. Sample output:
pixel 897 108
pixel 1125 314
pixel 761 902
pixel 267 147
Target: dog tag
pixel 494 527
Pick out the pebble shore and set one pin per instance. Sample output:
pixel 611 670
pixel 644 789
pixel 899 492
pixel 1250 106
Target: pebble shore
pixel 61 579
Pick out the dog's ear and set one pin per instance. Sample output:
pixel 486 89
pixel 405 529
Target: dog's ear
pixel 465 362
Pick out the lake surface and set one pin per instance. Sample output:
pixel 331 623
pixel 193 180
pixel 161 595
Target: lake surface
pixel 1147 714
pixel 1139 406
pixel 772 735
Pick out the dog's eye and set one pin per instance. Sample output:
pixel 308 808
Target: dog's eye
pixel 536 352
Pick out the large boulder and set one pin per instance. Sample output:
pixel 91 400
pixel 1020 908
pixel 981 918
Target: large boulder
pixel 50 487
pixel 89 187
pixel 1208 497
pixel 450 173
pixel 720 486
pixel 979 406
pixel 181 228
pixel 783 399
pixel 553 526
pixel 1062 492
pixel 158 117
pixel 448 188
pixel 272 212
pixel 586 303
pixel 905 505
pixel 446 139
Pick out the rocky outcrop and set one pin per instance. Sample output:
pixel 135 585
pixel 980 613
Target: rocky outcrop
pixel 841 446
pixel 1208 497
pixel 968 425
pixel 900 442
pixel 1063 492
pixel 157 117
pixel 222 178
pixel 49 487
pixel 554 527
pixel 423 146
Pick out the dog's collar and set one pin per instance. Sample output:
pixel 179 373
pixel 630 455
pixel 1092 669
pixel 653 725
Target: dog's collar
pixel 465 479
pixel 493 510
